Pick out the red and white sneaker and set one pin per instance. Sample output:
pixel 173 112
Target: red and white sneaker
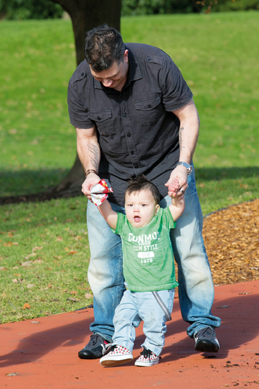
pixel 147 358
pixel 116 356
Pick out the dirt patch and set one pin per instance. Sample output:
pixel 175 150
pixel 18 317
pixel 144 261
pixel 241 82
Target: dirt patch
pixel 231 238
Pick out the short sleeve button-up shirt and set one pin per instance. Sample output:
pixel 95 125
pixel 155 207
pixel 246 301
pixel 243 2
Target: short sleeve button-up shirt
pixel 137 130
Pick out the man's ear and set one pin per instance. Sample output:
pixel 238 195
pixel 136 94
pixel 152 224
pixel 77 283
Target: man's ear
pixel 157 208
pixel 126 56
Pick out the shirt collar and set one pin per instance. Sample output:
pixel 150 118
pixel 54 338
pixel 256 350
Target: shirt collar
pixel 134 74
pixel 134 69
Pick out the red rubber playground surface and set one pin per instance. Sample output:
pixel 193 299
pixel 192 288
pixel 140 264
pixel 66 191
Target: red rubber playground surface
pixel 42 353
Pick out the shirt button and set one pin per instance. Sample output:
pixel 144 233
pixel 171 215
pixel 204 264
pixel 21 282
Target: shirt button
pixel 132 152
pixel 135 166
pixel 98 118
pixel 148 58
pixel 149 105
pixel 82 74
pixel 124 115
pixel 129 134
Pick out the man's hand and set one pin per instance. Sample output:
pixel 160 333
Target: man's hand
pixel 91 180
pixel 177 183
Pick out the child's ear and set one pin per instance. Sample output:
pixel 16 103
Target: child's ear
pixel 157 208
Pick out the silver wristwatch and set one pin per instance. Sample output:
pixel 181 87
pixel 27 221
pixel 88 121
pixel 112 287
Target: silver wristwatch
pixel 188 167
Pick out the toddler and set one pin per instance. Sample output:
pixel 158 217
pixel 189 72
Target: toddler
pixel 148 269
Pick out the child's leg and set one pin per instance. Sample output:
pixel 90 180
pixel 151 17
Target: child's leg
pixel 154 318
pixel 125 320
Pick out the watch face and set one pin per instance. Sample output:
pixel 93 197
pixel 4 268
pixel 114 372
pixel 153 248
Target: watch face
pixel 189 170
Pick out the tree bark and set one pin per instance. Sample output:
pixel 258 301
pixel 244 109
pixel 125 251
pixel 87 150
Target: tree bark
pixel 85 15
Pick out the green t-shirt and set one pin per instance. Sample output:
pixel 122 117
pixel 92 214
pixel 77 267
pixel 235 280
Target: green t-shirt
pixel 148 262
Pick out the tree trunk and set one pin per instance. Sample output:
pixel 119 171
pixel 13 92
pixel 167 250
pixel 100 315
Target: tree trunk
pixel 85 15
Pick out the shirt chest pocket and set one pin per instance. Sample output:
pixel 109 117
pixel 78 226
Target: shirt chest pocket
pixel 149 110
pixel 103 121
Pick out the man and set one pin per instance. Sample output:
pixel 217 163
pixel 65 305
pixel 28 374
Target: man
pixel 134 114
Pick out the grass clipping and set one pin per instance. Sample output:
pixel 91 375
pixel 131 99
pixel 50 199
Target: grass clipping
pixel 231 239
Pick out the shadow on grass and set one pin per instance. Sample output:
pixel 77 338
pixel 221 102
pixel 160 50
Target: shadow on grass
pixel 32 185
pixel 228 173
pixel 36 185
pixel 27 181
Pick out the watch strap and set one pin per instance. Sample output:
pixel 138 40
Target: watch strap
pixel 188 167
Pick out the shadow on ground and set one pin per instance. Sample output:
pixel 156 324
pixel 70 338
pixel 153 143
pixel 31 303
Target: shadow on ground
pixel 239 325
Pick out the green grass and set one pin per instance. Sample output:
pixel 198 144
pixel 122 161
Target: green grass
pixel 35 133
pixel 44 259
pixel 218 56
pixel 44 251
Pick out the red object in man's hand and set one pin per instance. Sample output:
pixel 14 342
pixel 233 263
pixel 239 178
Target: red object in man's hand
pixel 99 192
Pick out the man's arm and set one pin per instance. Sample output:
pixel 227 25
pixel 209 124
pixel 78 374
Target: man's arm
pixel 88 150
pixel 188 136
pixel 108 214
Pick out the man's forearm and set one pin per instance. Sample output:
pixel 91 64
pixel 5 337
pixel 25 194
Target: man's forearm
pixel 93 153
pixel 88 150
pixel 188 137
pixel 188 131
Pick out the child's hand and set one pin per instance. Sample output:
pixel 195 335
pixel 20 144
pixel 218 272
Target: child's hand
pixel 173 188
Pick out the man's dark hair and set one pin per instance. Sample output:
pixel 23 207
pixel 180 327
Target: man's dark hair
pixel 142 183
pixel 103 46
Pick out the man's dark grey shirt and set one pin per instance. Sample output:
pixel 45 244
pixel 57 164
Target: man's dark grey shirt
pixel 137 131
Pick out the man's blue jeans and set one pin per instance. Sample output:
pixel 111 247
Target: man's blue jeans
pixel 196 290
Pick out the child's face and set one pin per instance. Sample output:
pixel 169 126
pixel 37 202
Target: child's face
pixel 140 208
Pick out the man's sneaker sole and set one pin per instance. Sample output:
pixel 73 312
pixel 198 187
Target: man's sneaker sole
pixel 115 360
pixel 89 355
pixel 207 346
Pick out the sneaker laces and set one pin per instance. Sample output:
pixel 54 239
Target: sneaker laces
pixel 146 353
pixel 110 347
pixel 95 339
pixel 206 333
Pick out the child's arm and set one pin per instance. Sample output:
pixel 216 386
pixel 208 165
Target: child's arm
pixel 177 207
pixel 108 214
pixel 178 204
